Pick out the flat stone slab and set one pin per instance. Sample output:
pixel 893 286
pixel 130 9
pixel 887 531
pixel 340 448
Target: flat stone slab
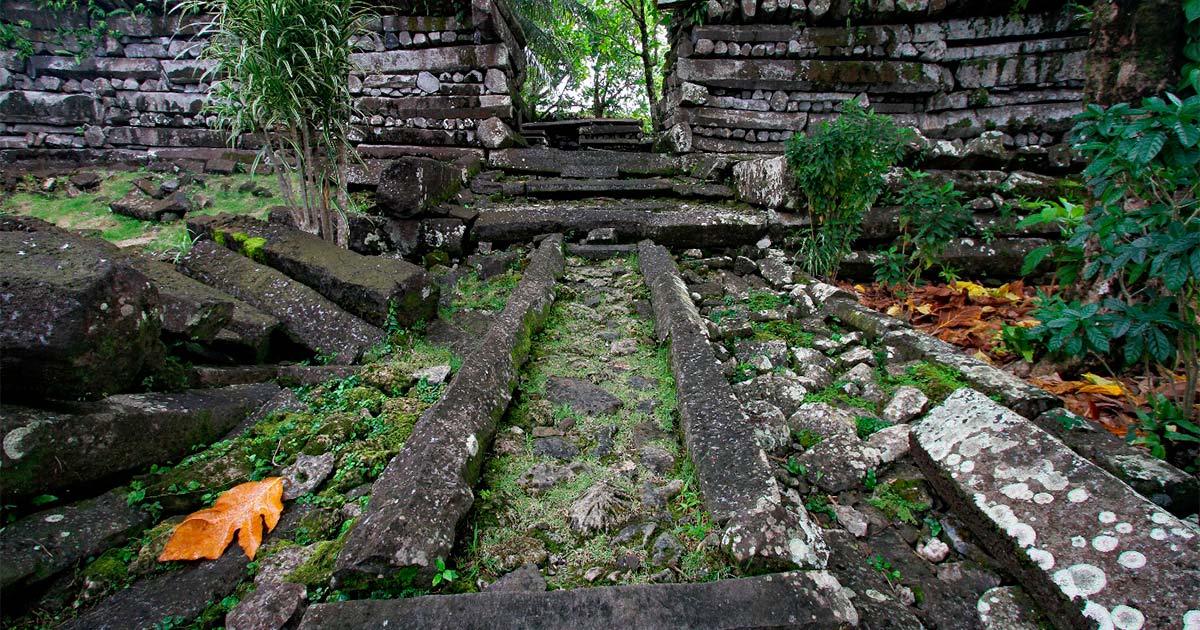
pixel 555 162
pixel 1090 550
pixel 761 529
pixel 427 489
pixel 682 224
pixel 43 544
pixel 191 309
pixel 81 444
pixel 309 318
pixel 366 286
pixel 785 600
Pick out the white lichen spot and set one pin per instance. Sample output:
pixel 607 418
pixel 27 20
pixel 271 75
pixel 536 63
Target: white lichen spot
pixel 1043 498
pixel 953 459
pixel 1191 620
pixel 1018 491
pixel 1099 614
pixel 54 518
pixel 967 466
pixel 1080 580
pixel 1023 533
pixel 1078 495
pixel 1132 559
pixel 1124 528
pixel 1107 517
pixel 1127 618
pixel 1105 544
pixel 472 445
pixel 1044 559
pixel 1160 518
pixel 1182 533
pixel 1078 541
pixel 1158 533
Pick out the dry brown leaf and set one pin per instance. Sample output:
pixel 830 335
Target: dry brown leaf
pixel 241 510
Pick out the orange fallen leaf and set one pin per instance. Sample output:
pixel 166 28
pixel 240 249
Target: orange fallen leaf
pixel 206 534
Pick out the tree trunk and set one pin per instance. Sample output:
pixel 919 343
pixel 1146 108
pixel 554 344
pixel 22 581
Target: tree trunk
pixel 643 23
pixel 1136 50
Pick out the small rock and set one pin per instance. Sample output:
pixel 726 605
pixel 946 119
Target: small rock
pixel 269 607
pixel 602 236
pixel 555 447
pixel 744 266
pixel 891 442
pixel 933 550
pixel 657 459
pixel 435 375
pixel 657 497
pixel 1006 608
pixel 623 347
pixel 761 364
pixel 282 563
pixel 306 474
pixel 851 520
pixel 907 403
pixel 666 551
pixel 593 574
pixel 544 475
pixel 906 596
pixel 604 437
pixel 854 356
pixel 639 532
pixel 528 578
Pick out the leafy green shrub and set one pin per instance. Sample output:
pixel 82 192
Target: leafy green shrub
pixel 931 216
pixel 840 169
pixel 1140 245
pixel 1068 259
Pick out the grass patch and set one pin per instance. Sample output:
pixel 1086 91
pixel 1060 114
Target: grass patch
pixel 472 293
pixel 936 381
pixel 790 332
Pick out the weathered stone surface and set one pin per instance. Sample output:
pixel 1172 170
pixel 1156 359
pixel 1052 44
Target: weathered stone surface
pixel 907 403
pixel 413 185
pixel 1153 478
pixel 766 182
pixel 493 133
pixel 269 607
pixel 811 598
pixel 84 443
pixel 142 208
pixel 307 317
pixel 184 593
pixel 43 544
pixel 526 579
pixel 371 287
pixel 554 161
pixel 445 59
pixel 583 396
pixel 1006 608
pixel 306 474
pixel 79 321
pixel 844 460
pixel 818 76
pixel 677 225
pixel 191 310
pixel 1015 393
pixel 822 420
pixel 785 392
pixel 1090 550
pixel 740 490
pixel 423 494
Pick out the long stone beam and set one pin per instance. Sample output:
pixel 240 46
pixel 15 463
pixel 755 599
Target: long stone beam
pixel 761 528
pixel 426 491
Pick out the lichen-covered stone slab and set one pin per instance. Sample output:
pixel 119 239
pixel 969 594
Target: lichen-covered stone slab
pixel 1090 550
pixel 81 444
pixel 367 286
pixel 427 489
pixel 309 318
pixel 43 544
pixel 812 599
pixel 761 528
pixel 79 321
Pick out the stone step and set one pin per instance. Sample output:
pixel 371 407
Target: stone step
pixel 570 188
pixel 675 224
pixel 191 310
pixel 307 317
pixel 554 162
pixel 1088 548
pixel 785 600
pixel 426 491
pixel 43 544
pixel 761 528
pixel 81 444
pixel 366 286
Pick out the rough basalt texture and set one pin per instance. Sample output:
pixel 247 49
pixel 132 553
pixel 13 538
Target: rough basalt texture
pixel 411 186
pixel 79 321
pixel 191 310
pixel 760 528
pixel 367 286
pixel 1091 551
pixel 786 600
pixel 426 491
pixel 307 317
pixel 43 544
pixel 81 444
pixel 674 224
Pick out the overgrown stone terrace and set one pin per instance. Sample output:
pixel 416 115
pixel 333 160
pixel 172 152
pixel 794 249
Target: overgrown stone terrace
pixel 559 388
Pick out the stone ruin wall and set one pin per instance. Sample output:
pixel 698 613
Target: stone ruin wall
pixel 759 71
pixel 426 84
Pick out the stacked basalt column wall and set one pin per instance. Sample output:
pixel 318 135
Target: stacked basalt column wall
pixel 424 85
pixel 758 71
